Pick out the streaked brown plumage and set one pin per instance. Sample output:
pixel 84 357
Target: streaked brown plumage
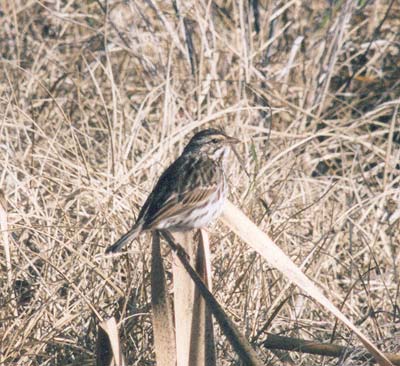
pixel 191 191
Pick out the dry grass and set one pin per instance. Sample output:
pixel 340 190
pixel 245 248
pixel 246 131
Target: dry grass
pixel 90 116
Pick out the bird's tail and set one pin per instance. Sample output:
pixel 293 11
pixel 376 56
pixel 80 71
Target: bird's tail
pixel 125 239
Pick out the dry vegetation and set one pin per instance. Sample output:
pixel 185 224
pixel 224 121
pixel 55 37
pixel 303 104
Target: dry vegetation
pixel 97 98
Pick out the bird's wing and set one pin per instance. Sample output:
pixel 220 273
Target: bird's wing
pixel 184 185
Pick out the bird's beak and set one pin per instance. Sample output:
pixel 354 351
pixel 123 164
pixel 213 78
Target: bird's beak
pixel 232 140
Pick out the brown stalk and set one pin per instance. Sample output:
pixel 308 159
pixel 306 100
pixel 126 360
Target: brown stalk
pixel 274 341
pixel 236 339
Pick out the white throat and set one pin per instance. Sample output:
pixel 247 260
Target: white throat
pixel 221 155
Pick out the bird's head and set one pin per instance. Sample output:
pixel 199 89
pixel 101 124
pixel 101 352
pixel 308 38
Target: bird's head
pixel 212 142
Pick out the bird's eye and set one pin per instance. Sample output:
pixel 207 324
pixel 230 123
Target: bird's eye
pixel 215 141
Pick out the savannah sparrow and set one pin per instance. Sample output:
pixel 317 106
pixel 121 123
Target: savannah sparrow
pixel 190 193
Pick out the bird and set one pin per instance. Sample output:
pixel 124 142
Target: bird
pixel 190 193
